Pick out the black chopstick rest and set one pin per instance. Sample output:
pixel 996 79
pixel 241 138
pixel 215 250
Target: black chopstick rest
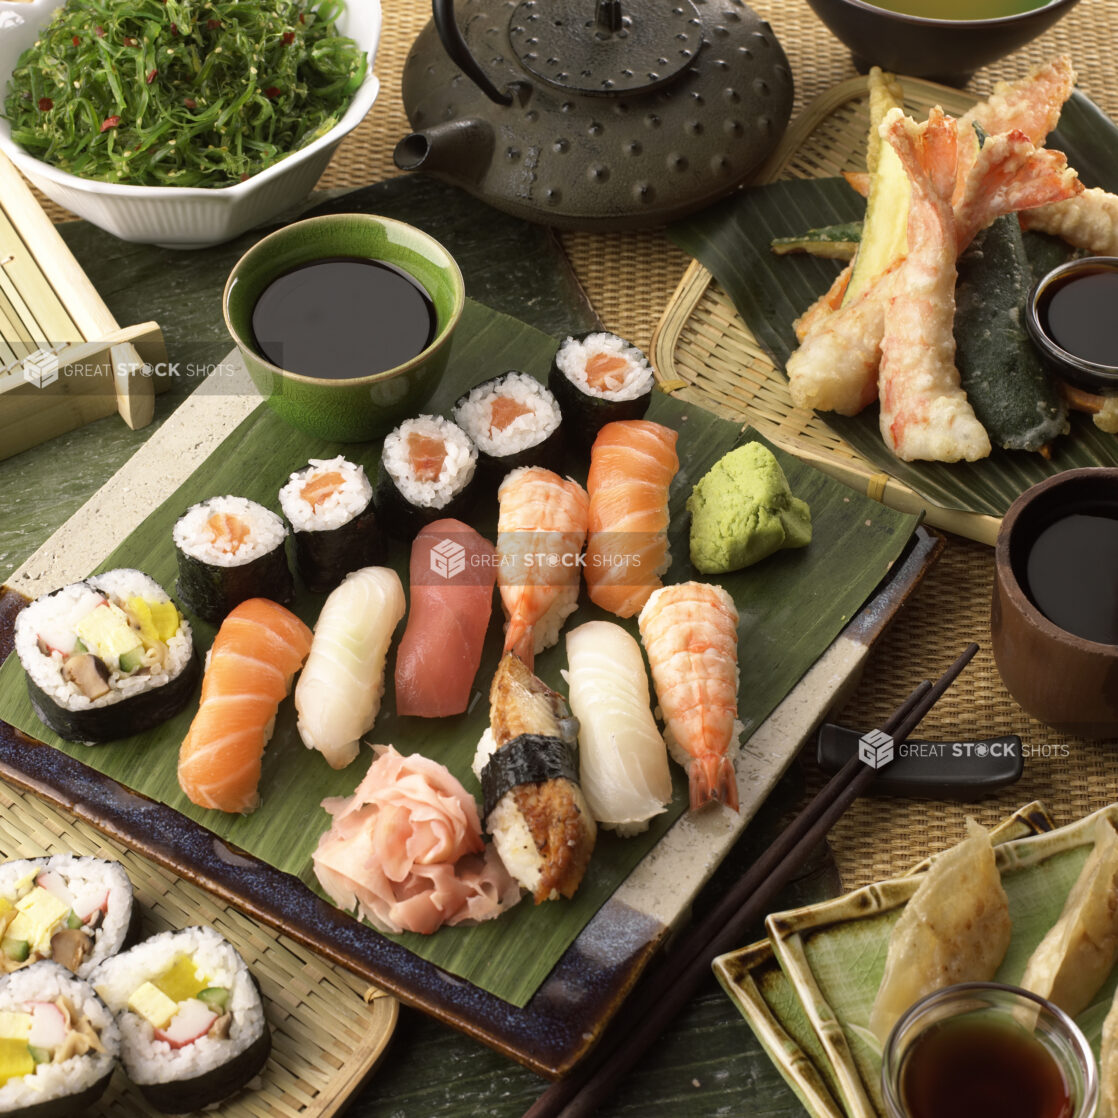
pixel 938 770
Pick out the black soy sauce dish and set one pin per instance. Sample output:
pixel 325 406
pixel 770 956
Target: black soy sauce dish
pixel 1071 316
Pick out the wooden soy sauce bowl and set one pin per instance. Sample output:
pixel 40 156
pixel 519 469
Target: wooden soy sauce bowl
pixel 1064 680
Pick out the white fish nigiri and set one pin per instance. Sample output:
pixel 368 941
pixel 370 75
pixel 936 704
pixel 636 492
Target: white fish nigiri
pixel 339 692
pixel 623 760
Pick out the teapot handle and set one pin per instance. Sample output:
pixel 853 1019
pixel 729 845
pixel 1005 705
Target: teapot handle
pixel 455 45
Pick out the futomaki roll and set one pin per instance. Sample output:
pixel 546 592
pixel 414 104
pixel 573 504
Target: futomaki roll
pixel 329 504
pixel 191 1020
pixel 58 1043
pixel 230 549
pixel 427 471
pixel 107 657
pixel 599 378
pixel 74 911
pixel 514 420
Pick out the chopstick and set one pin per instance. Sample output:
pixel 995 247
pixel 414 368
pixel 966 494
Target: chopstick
pixel 674 979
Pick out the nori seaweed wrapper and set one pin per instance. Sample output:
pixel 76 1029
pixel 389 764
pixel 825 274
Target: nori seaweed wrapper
pixel 324 557
pixel 182 1096
pixel 585 415
pixel 527 759
pixel 121 719
pixel 211 591
pixel 401 519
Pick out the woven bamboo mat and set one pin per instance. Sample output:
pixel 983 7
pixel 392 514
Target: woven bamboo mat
pixel 328 1027
pixel 630 278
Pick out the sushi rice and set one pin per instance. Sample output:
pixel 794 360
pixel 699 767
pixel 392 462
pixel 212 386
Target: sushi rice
pixel 538 423
pixel 95 890
pixel 631 382
pixel 59 1086
pixel 192 536
pixel 345 502
pixel 198 1073
pixel 457 468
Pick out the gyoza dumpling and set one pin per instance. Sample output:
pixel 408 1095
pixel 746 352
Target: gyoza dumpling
pixel 956 928
pixel 1074 958
pixel 1108 1065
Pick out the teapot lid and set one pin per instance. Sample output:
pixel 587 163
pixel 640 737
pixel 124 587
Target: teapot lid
pixel 606 51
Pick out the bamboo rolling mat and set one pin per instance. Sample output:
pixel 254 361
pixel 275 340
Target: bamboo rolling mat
pixel 630 278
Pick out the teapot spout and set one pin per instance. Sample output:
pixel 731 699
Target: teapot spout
pixel 459 149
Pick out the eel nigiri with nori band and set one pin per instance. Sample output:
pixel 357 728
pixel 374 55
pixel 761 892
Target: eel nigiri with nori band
pixel 599 378
pixel 329 504
pixel 528 766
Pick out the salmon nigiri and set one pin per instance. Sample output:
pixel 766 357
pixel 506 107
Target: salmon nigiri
pixel 632 464
pixel 256 653
pixel 452 576
pixel 541 528
pixel 690 633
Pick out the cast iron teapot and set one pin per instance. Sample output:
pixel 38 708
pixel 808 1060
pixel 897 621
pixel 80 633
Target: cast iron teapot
pixel 594 114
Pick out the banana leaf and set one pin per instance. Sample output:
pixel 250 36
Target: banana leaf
pixel 792 606
pixel 732 240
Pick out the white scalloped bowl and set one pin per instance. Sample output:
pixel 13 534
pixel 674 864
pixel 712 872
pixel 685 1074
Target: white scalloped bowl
pixel 184 216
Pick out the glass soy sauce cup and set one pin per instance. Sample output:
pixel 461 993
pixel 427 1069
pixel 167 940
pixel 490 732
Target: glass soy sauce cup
pixel 982 1048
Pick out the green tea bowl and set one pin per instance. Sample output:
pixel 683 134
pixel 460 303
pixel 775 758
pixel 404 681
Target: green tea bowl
pixel 346 409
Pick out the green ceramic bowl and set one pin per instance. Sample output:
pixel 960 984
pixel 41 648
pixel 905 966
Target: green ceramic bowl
pixel 351 409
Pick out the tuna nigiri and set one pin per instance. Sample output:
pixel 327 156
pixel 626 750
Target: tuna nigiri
pixel 690 632
pixel 453 570
pixel 256 653
pixel 632 463
pixel 623 762
pixel 541 528
pixel 338 695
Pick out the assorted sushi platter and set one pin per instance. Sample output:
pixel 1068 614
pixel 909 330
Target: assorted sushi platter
pixel 291 565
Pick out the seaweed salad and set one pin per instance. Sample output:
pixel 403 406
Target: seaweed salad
pixel 181 92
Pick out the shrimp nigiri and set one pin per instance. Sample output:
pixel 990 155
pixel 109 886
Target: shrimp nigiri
pixel 256 653
pixel 541 527
pixel 632 463
pixel 690 633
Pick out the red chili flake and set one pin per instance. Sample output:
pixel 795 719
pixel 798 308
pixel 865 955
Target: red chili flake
pixel 110 122
pixel 130 42
pixel 272 92
pixel 213 24
pixel 100 32
pixel 190 103
pixel 45 104
pixel 151 76
pixel 288 38
pixel 76 41
pixel 302 18
pixel 175 30
pixel 244 176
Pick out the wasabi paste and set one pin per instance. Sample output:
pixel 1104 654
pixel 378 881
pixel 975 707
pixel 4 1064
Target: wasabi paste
pixel 743 511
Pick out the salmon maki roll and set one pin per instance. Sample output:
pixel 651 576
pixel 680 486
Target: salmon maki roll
pixel 255 655
pixel 632 464
pixel 690 633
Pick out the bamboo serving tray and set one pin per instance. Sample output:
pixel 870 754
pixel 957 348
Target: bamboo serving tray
pixel 329 1027
pixel 703 350
pixel 64 359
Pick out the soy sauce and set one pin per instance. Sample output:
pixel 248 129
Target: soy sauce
pixel 1079 312
pixel 970 1067
pixel 1071 573
pixel 343 317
